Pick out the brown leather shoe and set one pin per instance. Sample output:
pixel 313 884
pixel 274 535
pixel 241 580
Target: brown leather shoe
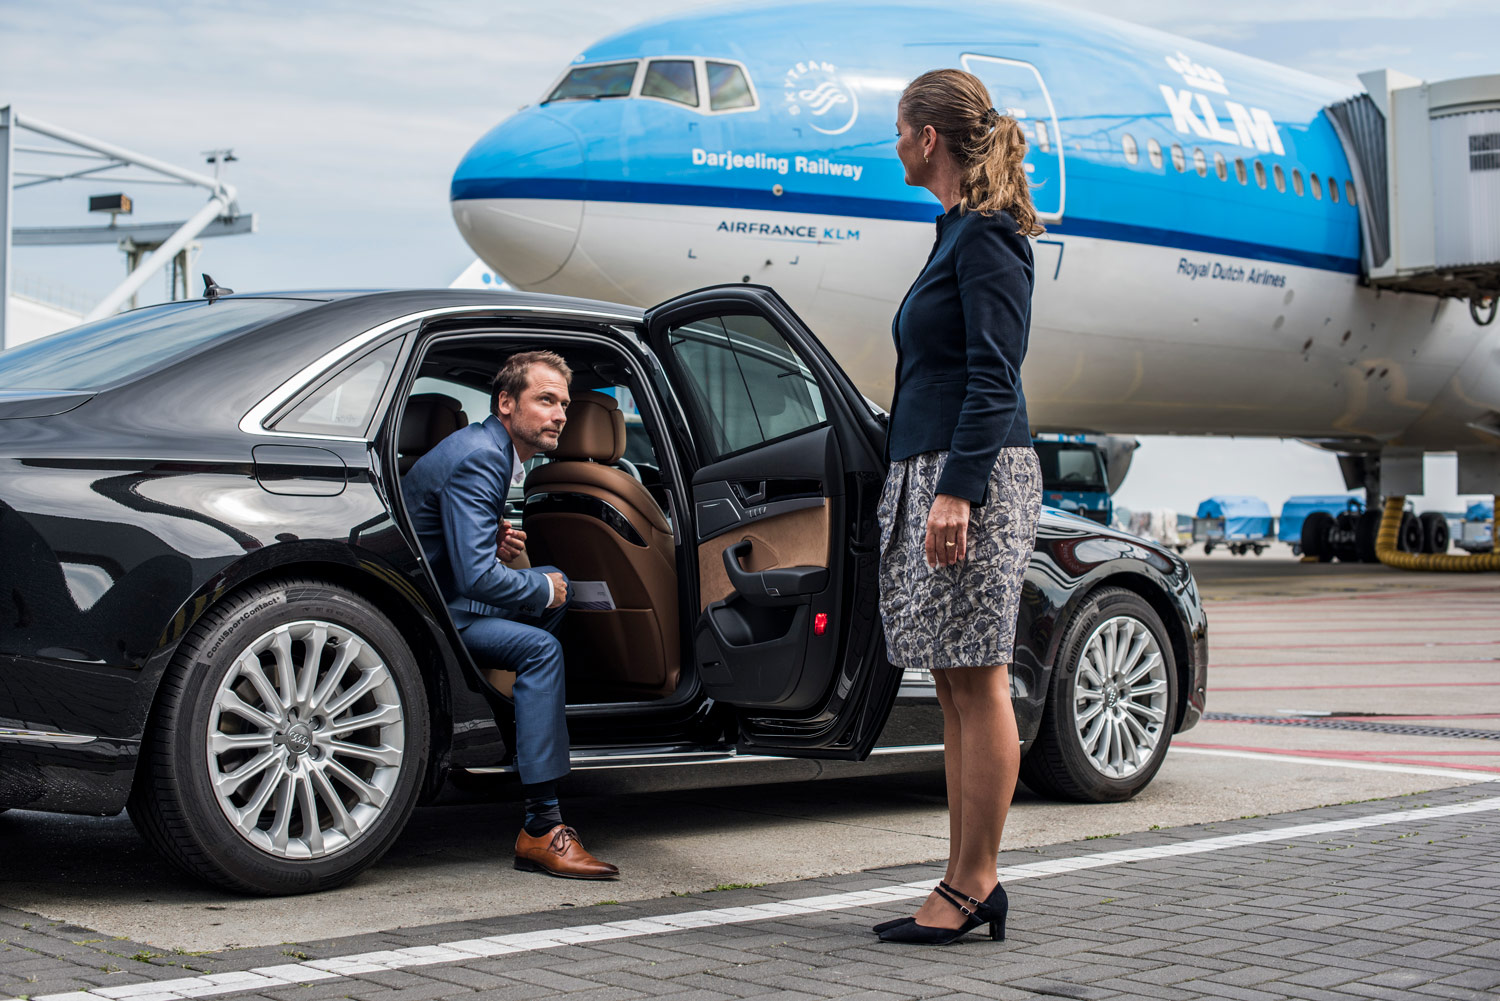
pixel 559 853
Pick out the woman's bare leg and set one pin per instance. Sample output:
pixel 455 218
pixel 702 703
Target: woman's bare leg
pixel 989 758
pixel 952 769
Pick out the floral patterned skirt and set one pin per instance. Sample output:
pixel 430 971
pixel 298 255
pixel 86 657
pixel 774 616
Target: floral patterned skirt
pixel 963 615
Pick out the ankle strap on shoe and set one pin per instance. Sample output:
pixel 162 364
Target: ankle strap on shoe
pixel 952 899
pixel 946 888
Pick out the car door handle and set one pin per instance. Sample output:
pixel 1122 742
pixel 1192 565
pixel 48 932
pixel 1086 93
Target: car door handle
pixel 781 586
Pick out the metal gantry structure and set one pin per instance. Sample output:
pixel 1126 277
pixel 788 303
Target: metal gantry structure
pixel 148 246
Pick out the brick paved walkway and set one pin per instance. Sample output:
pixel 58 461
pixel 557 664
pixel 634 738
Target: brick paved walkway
pixel 1407 909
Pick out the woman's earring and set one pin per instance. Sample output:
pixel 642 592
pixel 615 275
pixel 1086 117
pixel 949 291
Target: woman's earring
pixel 925 159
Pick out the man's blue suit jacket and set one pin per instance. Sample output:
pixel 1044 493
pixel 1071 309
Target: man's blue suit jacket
pixel 455 497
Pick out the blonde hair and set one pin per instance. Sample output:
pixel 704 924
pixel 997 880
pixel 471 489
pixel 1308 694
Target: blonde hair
pixel 989 147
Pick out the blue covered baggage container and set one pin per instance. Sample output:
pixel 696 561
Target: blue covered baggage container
pixel 1236 522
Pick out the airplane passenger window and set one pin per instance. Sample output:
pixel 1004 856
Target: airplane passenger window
pixel 589 83
pixel 1349 191
pixel 1316 186
pixel 1260 174
pixel 672 80
pixel 1280 177
pixel 1179 158
pixel 1297 182
pixel 1221 167
pixel 1200 162
pixel 1239 171
pixel 1127 142
pixel 1333 189
pixel 728 87
pixel 1153 153
pixel 1042 139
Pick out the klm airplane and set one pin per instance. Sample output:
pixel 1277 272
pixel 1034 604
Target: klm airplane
pixel 1200 273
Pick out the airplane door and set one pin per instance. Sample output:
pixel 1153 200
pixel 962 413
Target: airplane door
pixel 1017 90
pixel 787 476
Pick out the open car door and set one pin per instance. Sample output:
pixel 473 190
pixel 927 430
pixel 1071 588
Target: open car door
pixel 787 471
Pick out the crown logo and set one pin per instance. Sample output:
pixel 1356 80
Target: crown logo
pixel 1196 76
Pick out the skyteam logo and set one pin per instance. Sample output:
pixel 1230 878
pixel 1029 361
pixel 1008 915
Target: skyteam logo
pixel 1193 111
pixel 815 94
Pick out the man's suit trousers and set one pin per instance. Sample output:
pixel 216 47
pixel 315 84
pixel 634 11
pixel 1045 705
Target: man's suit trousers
pixel 528 647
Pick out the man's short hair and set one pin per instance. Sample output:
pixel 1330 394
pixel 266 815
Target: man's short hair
pixel 515 375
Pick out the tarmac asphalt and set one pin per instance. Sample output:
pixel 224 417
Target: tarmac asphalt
pixel 1329 686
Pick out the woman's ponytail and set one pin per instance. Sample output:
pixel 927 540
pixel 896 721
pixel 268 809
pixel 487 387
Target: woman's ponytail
pixel 990 147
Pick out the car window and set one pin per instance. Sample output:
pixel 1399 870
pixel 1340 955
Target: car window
pixel 672 80
pixel 344 404
pixel 111 351
pixel 1071 467
pixel 587 83
pixel 748 385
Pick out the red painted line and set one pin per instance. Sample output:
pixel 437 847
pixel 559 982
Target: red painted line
pixel 1325 688
pixel 1364 663
pixel 1387 595
pixel 1341 756
pixel 1398 717
pixel 1346 646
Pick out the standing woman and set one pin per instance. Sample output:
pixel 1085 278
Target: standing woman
pixel 959 511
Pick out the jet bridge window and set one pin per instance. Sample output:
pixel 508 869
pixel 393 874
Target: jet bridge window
pixel 728 87
pixel 589 83
pixel 672 80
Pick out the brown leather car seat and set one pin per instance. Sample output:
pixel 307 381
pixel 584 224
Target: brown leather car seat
pixel 427 420
pixel 598 523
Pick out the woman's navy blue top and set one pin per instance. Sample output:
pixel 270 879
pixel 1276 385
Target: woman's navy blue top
pixel 961 335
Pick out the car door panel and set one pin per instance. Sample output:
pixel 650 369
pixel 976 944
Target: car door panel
pixel 785 548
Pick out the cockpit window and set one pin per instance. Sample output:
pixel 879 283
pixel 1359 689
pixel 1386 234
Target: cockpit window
pixel 588 83
pixel 672 80
pixel 727 87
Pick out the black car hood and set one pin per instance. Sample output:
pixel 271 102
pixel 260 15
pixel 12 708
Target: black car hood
pixel 40 402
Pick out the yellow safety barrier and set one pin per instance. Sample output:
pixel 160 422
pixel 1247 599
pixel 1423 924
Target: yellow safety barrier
pixel 1390 529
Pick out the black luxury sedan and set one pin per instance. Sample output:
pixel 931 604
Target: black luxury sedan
pixel 213 610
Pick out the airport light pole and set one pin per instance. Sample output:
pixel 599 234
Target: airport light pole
pixel 6 143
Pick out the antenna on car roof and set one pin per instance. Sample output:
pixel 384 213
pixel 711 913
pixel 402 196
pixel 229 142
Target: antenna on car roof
pixel 212 291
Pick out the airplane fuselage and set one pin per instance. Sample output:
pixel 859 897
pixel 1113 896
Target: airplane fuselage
pixel 1189 282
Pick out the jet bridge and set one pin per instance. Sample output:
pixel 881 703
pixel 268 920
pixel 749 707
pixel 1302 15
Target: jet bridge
pixel 1425 159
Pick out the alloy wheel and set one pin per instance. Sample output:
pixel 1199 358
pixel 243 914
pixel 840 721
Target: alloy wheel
pixel 1120 696
pixel 305 739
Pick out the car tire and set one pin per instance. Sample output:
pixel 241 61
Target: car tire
pixel 316 800
pixel 1074 759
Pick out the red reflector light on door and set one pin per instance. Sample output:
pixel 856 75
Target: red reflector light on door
pixel 820 623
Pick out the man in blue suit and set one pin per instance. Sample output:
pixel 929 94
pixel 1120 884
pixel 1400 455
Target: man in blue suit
pixel 455 496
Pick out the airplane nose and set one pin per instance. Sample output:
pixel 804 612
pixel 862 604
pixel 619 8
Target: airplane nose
pixel 499 198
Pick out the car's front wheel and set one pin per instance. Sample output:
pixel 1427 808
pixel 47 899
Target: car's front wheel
pixel 1111 705
pixel 287 743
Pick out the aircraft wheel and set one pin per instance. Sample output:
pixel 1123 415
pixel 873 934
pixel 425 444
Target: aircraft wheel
pixel 1411 538
pixel 1435 533
pixel 1365 530
pixel 1315 532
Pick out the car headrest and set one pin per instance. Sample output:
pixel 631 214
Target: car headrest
pixel 427 420
pixel 595 430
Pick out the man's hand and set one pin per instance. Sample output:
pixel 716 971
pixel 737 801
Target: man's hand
pixel 559 589
pixel 512 543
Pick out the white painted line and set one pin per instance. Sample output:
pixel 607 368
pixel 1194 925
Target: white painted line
pixel 1364 766
pixel 448 952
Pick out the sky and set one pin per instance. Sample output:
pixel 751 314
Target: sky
pixel 347 119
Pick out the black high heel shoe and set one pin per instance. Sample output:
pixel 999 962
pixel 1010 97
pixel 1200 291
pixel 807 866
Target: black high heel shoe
pixel 991 909
pixel 893 923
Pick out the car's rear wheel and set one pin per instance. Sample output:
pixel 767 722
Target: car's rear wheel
pixel 1111 704
pixel 287 744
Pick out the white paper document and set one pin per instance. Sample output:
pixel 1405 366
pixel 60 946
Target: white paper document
pixel 592 595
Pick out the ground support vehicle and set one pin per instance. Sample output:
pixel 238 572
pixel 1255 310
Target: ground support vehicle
pixel 217 611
